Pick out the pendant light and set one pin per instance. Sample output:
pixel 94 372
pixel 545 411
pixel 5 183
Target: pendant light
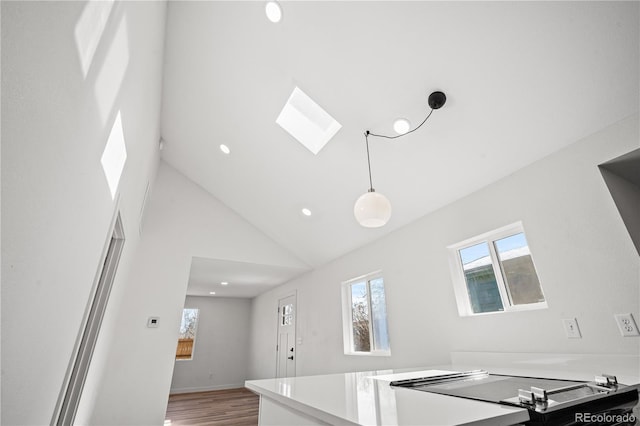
pixel 372 209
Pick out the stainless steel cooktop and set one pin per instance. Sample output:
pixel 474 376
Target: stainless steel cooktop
pixel 549 401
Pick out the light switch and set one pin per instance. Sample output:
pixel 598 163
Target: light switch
pixel 571 328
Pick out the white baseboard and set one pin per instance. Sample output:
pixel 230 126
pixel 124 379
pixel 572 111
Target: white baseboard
pixel 206 388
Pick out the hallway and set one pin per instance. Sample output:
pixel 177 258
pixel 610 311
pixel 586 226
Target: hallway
pixel 238 407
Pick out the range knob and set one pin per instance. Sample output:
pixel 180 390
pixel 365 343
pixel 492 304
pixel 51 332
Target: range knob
pixel 539 394
pixel 526 397
pixel 606 380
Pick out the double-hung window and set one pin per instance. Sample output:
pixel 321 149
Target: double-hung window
pixel 494 272
pixel 364 316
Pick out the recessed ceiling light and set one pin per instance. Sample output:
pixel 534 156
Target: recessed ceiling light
pixel 306 212
pixel 225 149
pixel 212 292
pixel 274 11
pixel 224 283
pixel 401 126
pixel 306 121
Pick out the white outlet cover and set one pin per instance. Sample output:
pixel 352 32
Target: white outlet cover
pixel 627 325
pixel 571 328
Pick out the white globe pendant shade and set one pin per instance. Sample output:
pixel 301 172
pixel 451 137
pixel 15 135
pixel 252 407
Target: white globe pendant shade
pixel 372 210
pixel 273 11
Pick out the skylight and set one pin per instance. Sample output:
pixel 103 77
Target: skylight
pixel 114 156
pixel 306 121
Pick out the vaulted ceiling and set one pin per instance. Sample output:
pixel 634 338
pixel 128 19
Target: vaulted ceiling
pixel 522 79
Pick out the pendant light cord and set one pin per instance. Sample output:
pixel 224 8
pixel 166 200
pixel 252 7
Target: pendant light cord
pixel 406 133
pixel 374 210
pixel 366 138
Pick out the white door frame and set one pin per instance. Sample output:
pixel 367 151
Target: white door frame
pixel 293 294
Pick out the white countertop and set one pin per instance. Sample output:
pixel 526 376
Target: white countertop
pixel 366 398
pixel 361 399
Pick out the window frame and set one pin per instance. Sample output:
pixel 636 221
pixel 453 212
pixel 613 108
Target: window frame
pixel 347 316
pixel 195 334
pixel 460 288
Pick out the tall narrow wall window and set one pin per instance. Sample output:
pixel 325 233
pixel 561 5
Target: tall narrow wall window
pixel 494 272
pixel 364 316
pixel 187 337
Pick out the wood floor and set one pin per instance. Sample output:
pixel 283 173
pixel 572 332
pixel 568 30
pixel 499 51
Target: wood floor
pixel 237 407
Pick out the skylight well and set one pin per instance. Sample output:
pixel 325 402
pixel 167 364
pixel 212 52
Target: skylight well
pixel 306 121
pixel 114 156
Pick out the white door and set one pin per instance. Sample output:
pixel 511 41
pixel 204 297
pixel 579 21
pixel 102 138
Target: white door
pixel 286 346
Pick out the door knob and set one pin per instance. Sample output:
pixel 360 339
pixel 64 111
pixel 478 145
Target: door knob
pixel 290 357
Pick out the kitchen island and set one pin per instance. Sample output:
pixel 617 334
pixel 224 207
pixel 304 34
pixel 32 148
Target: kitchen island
pixel 366 398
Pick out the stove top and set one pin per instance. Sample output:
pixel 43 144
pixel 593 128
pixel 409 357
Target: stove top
pixel 560 401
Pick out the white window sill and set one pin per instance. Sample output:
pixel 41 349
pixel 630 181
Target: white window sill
pixel 514 308
pixel 377 353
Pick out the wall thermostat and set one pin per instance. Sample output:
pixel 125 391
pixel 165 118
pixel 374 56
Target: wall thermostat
pixel 153 322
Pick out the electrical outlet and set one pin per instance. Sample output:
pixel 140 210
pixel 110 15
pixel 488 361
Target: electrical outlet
pixel 627 325
pixel 571 328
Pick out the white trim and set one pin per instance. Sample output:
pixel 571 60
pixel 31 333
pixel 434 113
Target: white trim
pixel 206 388
pixel 294 294
pixel 370 275
pixel 142 208
pixel 460 289
pixel 496 234
pixel 372 353
pixel 505 294
pixel 71 392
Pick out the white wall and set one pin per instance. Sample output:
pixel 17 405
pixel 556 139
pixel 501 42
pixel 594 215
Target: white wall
pixel 57 208
pixel 56 204
pixel 586 261
pixel 181 221
pixel 626 195
pixel 221 352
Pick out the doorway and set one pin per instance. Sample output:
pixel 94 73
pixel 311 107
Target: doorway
pixel 286 345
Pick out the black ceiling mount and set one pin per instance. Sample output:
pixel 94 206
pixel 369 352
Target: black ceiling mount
pixel 436 100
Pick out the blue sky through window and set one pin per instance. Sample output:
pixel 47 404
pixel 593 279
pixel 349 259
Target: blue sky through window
pixel 473 253
pixel 478 251
pixel 359 291
pixel 512 242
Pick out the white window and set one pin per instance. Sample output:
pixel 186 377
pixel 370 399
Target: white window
pixel 187 336
pixel 494 272
pixel 364 316
pixel 286 317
